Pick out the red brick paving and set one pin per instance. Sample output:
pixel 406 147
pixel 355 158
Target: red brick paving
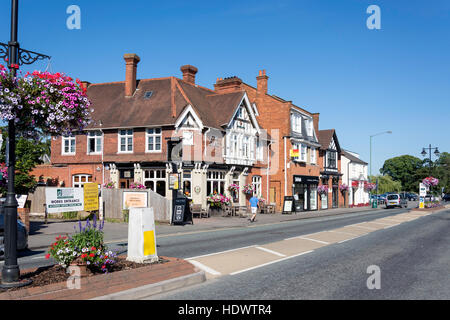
pixel 104 284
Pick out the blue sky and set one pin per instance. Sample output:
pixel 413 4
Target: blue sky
pixel 317 53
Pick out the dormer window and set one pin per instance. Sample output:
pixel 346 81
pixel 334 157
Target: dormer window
pixel 296 122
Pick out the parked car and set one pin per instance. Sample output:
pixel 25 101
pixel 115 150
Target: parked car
pixel 396 200
pixel 22 236
pixel 412 197
pixel 446 197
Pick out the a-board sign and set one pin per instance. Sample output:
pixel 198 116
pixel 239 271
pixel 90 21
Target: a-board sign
pixel 90 196
pixel 288 204
pixel 134 199
pixel 64 199
pixel 181 211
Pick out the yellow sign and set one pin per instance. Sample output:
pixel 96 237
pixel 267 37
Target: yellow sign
pixel 294 153
pixel 90 196
pixel 149 243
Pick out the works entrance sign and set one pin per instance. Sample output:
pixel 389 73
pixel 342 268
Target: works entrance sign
pixel 64 199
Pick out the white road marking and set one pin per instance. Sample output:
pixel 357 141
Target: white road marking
pixel 205 268
pixel 212 254
pixel 271 251
pixel 268 263
pixel 305 238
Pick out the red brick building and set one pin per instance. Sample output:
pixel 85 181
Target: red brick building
pixel 234 134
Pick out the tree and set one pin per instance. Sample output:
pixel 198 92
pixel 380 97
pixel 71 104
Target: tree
pixel 403 169
pixel 386 184
pixel 442 171
pixel 29 153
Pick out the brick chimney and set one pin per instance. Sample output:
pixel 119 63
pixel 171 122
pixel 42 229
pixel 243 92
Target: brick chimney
pixel 226 85
pixel 316 122
pixel 261 83
pixel 189 73
pixel 131 61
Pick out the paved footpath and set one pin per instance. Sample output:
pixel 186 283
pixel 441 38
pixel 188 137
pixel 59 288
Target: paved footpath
pixel 42 234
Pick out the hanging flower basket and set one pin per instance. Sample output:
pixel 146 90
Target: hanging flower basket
pixel 43 103
pixel 369 186
pixel 248 189
pixel 322 189
pixel 343 188
pixel 430 181
pixel 233 187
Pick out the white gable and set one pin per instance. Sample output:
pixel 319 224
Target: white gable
pixel 189 119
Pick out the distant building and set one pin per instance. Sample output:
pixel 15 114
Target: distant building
pixel 355 176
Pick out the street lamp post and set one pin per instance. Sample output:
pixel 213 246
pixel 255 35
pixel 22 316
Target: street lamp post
pixel 424 153
pixel 14 56
pixel 370 161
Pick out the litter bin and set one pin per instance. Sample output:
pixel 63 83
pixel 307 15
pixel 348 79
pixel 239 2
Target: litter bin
pixel 374 203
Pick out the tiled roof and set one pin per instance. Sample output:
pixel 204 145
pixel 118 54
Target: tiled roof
pixel 168 99
pixel 352 158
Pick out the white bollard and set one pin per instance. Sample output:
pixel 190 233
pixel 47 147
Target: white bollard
pixel 141 235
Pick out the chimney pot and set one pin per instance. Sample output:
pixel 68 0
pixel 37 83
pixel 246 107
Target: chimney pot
pixel 131 61
pixel 261 81
pixel 189 73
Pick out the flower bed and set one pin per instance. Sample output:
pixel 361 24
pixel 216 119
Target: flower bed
pixel 43 276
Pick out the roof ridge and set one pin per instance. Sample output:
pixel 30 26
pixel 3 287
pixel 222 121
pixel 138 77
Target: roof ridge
pixel 195 85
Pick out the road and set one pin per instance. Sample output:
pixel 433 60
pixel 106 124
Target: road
pixel 413 259
pixel 189 244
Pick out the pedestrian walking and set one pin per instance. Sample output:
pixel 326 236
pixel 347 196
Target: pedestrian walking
pixel 254 204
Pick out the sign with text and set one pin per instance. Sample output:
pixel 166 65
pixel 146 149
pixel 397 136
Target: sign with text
pixel 90 196
pixel 134 200
pixel 64 199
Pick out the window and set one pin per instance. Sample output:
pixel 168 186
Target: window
pixel 234 146
pixel 68 145
pixel 313 155
pixel 310 127
pixel 303 152
pixel 94 142
pixel 256 182
pixel 215 182
pixel 153 140
pixel 245 147
pixel 155 180
pixel 187 183
pixel 259 150
pixel 79 180
pixel 126 140
pixel 331 155
pixel 296 122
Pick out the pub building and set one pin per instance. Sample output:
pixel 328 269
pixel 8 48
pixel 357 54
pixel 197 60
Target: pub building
pixel 330 164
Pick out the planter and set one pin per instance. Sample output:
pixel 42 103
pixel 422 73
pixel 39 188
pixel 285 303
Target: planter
pixel 215 211
pixel 78 268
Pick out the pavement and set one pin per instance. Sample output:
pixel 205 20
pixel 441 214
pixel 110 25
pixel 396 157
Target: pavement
pixel 144 282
